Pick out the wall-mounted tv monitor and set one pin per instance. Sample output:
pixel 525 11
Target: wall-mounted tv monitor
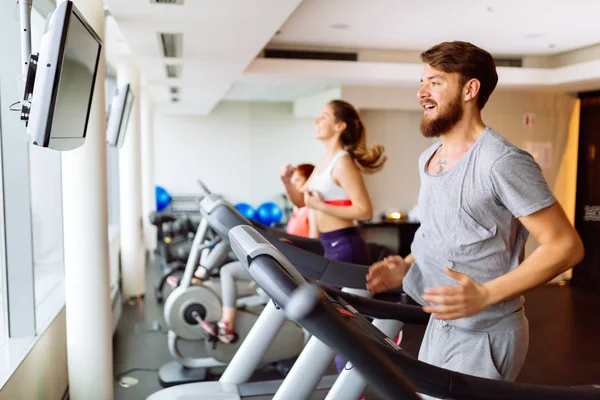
pixel 60 85
pixel 118 115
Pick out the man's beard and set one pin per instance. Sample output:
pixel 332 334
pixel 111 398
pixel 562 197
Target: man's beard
pixel 435 127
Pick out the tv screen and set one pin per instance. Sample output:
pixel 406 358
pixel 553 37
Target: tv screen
pixel 118 116
pixel 64 80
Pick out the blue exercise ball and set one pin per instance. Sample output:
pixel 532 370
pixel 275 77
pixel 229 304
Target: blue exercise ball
pixel 246 210
pixel 163 199
pixel 269 213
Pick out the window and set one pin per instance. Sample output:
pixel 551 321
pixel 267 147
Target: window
pixel 46 209
pixel 112 177
pixel 16 265
pixel 112 165
pixel 3 308
pixel 31 218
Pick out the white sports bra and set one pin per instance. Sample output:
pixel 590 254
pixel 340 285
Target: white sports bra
pixel 327 188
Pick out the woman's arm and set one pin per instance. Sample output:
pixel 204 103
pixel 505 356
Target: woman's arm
pixel 296 197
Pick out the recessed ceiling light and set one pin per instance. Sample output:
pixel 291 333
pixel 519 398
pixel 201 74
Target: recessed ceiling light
pixel 173 70
pixel 490 9
pixel 177 2
pixel 532 36
pixel 171 44
pixel 340 26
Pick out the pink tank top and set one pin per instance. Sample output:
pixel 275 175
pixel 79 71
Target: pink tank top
pixel 298 223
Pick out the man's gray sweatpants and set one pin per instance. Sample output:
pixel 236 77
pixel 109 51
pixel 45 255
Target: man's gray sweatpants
pixel 494 354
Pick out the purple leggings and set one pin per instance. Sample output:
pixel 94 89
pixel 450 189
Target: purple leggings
pixel 344 245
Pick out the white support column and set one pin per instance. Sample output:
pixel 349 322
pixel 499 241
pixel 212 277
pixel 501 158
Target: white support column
pixel 130 177
pixel 87 288
pixel 147 139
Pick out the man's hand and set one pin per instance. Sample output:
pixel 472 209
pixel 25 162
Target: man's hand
pixel 386 274
pixel 313 200
pixel 286 172
pixel 453 302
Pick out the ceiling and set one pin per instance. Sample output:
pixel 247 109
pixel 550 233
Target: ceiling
pixel 223 40
pixel 220 38
pixel 503 27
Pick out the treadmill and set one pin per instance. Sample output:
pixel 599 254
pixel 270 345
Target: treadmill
pixel 307 373
pixel 328 316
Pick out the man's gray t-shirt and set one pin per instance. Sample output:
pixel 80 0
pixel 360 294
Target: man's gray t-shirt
pixel 469 221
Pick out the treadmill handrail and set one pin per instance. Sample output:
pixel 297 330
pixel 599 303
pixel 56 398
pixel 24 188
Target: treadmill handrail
pixel 222 217
pixel 469 387
pixel 379 309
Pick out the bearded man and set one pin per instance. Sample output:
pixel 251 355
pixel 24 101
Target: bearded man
pixel 479 199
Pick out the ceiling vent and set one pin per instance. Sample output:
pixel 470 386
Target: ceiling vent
pixel 352 56
pixel 171 44
pixel 174 2
pixel 509 62
pixel 310 55
pixel 173 71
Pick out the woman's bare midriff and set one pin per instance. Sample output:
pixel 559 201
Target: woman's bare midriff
pixel 327 223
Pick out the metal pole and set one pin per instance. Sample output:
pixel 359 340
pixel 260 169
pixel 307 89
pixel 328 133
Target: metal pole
pixel 25 23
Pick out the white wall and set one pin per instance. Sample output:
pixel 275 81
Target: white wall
pixel 236 151
pixel 397 184
pixel 311 106
pixel 382 97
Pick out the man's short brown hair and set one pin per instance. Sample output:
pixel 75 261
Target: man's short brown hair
pixel 469 61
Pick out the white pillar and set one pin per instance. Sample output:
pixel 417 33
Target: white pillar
pixel 148 194
pixel 130 178
pixel 87 288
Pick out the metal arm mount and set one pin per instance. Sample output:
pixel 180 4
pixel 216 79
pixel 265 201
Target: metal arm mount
pixel 28 60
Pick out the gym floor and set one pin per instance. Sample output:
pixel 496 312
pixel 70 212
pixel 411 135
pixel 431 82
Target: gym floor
pixel 564 350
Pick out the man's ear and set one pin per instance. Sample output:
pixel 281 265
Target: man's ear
pixel 471 89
